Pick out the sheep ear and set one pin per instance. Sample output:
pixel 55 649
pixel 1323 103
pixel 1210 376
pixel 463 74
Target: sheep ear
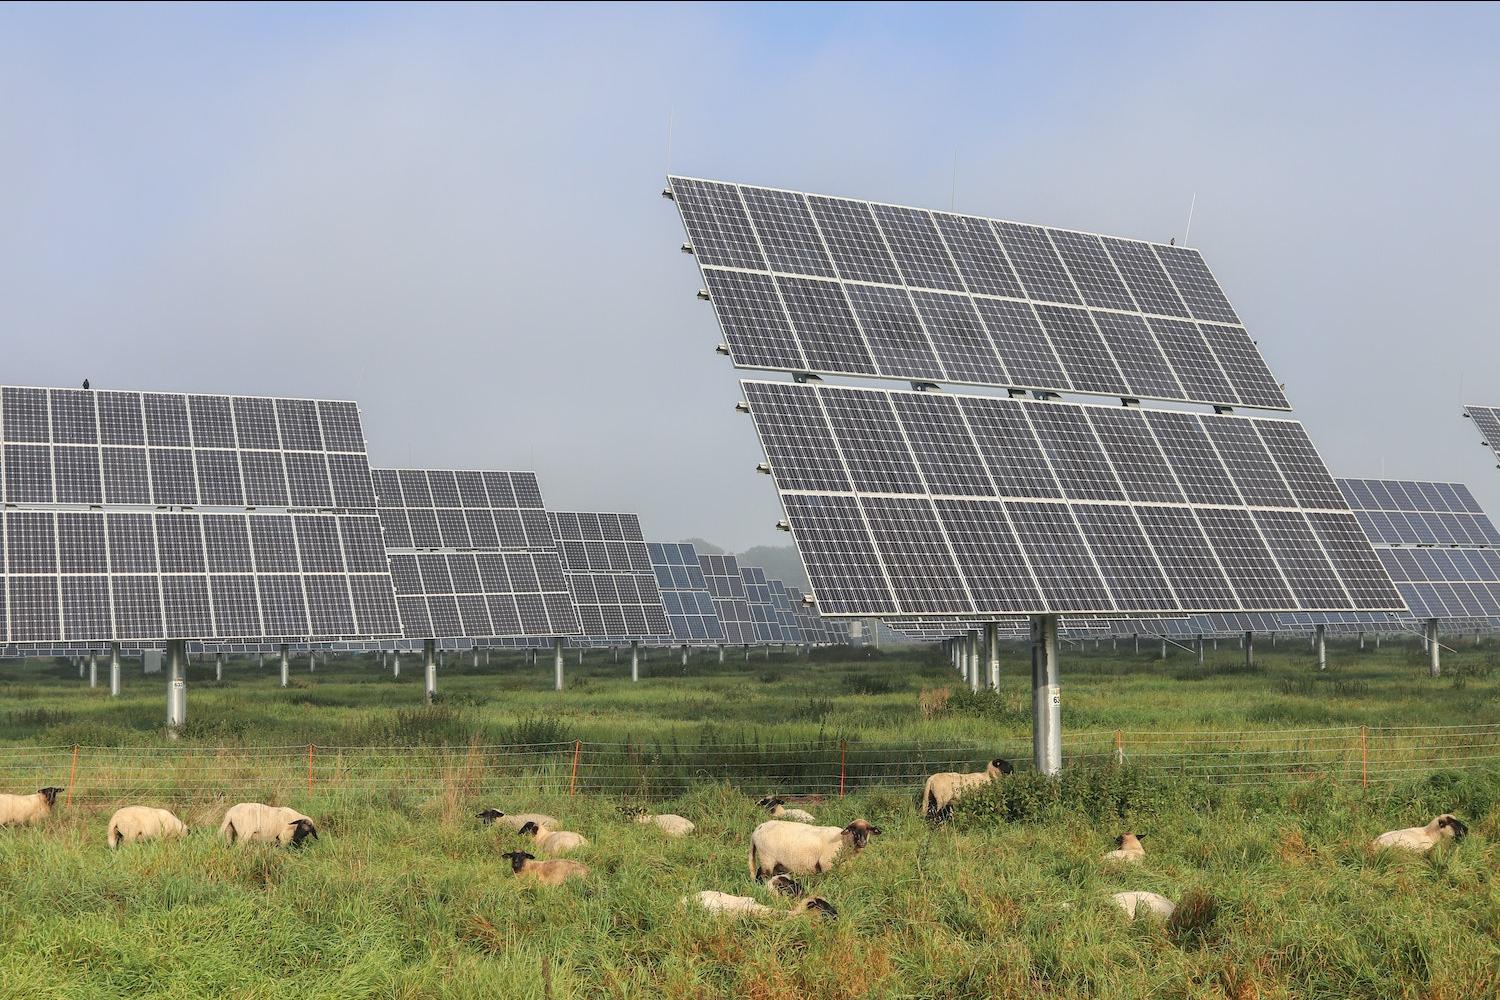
pixel 874 829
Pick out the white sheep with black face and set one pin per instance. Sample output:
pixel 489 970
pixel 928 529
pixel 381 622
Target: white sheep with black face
pixel 1140 904
pixel 254 822
pixel 778 847
pixel 1423 838
pixel 23 810
pixel 1128 849
pixel 553 842
pixel 724 904
pixel 526 866
pixel 778 808
pixel 133 824
pixel 668 823
pixel 517 820
pixel 947 787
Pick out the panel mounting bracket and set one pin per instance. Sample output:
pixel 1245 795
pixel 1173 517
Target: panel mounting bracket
pixel 666 193
pixel 721 348
pixel 925 387
pixel 1223 409
pixel 687 248
pixel 703 294
pixel 1130 401
pixel 802 377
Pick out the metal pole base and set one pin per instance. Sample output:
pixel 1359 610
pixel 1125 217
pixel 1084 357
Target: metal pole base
pixel 1046 697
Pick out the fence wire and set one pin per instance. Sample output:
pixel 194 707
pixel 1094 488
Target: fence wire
pixel 646 770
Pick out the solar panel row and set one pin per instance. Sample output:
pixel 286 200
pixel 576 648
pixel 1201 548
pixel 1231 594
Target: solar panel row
pixel 831 285
pixel 762 610
pixel 430 509
pixel 786 616
pixel 684 593
pixel 609 574
pixel 1487 422
pixel 917 503
pixel 727 587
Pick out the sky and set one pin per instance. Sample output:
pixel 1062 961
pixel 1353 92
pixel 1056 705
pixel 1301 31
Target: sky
pixel 453 214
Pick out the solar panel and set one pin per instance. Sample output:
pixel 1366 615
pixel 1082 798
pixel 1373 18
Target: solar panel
pixel 913 504
pixel 472 555
pixel 147 516
pixel 808 283
pixel 609 574
pixel 1487 422
pixel 684 593
pixel 732 604
pixel 763 612
pixel 1436 543
pixel 786 616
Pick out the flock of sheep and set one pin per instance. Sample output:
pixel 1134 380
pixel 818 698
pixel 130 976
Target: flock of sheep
pixel 789 844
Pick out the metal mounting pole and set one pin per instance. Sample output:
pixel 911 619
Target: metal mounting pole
pixel 1361 642
pixel 992 654
pixel 1046 696
pixel 1200 651
pixel 286 665
pixel 1320 641
pixel 635 659
pixel 176 686
pixel 430 668
pixel 1434 648
pixel 219 666
pixel 312 661
pixel 684 654
pixel 557 664
pixel 114 670
pixel 1250 648
pixel 93 669
pixel 1164 648
pixel 721 652
pixel 1137 638
pixel 395 663
pixel 974 668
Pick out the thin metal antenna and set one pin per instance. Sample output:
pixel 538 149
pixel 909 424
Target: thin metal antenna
pixel 953 188
pixel 671 113
pixel 1191 206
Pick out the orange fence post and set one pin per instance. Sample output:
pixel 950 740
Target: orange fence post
pixel 72 774
pixel 309 768
pixel 573 782
pixel 1364 757
pixel 843 760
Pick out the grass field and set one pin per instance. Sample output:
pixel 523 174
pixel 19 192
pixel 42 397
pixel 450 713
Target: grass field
pixel 405 895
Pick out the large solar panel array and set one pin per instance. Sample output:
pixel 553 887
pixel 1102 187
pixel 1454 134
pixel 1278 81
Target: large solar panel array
pixel 786 615
pixel 1436 542
pixel 145 516
pixel 923 504
pixel 808 283
pixel 727 586
pixel 1487 422
pixel 762 609
pixel 684 593
pixel 608 569
pixel 472 555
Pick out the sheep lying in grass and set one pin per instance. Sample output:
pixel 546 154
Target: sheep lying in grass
pixel 1128 849
pixel 796 848
pixel 1423 838
pixel 669 823
pixel 23 810
pixel 553 842
pixel 947 787
pixel 525 865
pixel 137 823
pixel 785 885
pixel 777 807
pixel 746 906
pixel 517 820
pixel 1144 903
pixel 252 822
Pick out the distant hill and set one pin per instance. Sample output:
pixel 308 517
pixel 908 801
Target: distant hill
pixel 781 562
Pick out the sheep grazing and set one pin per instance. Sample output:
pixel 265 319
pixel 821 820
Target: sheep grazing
pixel 252 822
pixel 777 807
pixel 1423 838
pixel 553 842
pixel 785 885
pixel 1144 904
pixel 778 847
pixel 525 865
pixel 746 906
pixel 137 823
pixel 947 787
pixel 669 823
pixel 1128 849
pixel 516 821
pixel 23 810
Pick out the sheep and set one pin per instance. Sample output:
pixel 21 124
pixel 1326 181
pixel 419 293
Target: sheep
pixel 777 846
pixel 23 810
pixel 785 885
pixel 1143 903
pixel 1423 838
pixel 137 823
pixel 524 865
pixel 518 820
pixel 251 821
pixel 553 842
pixel 777 807
pixel 669 823
pixel 746 906
pixel 1128 849
pixel 946 787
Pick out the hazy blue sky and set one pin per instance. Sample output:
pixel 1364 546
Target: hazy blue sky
pixel 452 214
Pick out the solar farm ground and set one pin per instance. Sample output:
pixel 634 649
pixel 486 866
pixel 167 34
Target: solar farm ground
pixel 405 895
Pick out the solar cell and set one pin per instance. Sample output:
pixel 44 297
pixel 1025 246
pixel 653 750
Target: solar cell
pixel 983 506
pixel 839 286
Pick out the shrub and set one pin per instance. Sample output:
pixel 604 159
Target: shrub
pixel 933 702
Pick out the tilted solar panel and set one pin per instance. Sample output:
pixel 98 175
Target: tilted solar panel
pixel 609 575
pixel 685 594
pixel 1487 423
pixel 148 516
pixel 727 587
pixel 807 283
pixel 786 615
